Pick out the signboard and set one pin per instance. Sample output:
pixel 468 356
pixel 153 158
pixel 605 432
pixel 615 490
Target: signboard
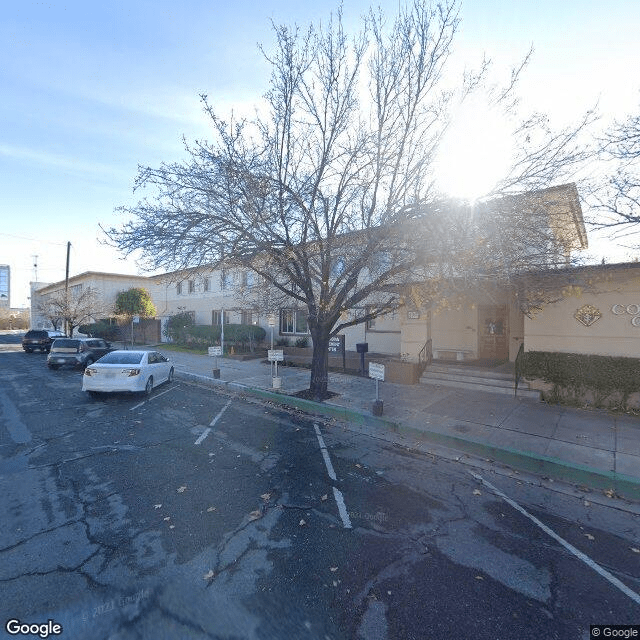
pixel 136 319
pixel 376 371
pixel 215 351
pixel 413 315
pixel 336 344
pixel 275 355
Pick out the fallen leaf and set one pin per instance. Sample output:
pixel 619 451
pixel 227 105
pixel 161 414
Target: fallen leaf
pixel 324 497
pixel 609 493
pixel 302 523
pixel 334 569
pixel 335 584
pixel 167 518
pixel 254 515
pixel 479 578
pixel 157 506
pixel 266 496
pixel 172 526
pixel 587 503
pixel 358 465
pixel 182 489
pixel 588 536
pixel 210 509
pixel 477 492
pixel 634 550
pixel 208 575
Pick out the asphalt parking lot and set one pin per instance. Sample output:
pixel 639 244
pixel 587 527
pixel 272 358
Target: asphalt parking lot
pixel 199 514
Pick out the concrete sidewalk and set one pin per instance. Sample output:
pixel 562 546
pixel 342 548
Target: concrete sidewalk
pixel 591 448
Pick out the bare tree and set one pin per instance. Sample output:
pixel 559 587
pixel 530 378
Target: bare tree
pixel 329 197
pixel 72 309
pixel 618 197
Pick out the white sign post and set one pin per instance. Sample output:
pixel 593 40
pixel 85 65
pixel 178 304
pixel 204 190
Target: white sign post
pixel 376 371
pixel 215 352
pixel 275 356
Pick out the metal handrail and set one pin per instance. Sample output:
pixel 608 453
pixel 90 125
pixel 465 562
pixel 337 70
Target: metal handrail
pixel 425 356
pixel 519 368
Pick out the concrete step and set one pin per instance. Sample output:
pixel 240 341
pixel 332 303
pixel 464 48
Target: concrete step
pixel 465 377
pixel 495 381
pixel 466 370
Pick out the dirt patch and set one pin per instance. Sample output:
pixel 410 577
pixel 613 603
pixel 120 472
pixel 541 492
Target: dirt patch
pixel 307 395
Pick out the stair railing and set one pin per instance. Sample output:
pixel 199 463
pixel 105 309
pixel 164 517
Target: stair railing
pixel 519 368
pixel 425 356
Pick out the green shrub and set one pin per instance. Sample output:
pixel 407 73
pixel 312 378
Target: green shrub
pixel 178 326
pixel 105 328
pixel 205 335
pixel 572 375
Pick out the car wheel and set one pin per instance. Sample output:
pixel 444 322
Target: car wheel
pixel 148 386
pixel 29 350
pixel 170 378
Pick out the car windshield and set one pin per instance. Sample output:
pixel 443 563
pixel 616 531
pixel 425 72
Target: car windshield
pixel 65 344
pixel 123 357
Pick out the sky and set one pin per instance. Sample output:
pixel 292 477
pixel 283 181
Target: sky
pixel 91 90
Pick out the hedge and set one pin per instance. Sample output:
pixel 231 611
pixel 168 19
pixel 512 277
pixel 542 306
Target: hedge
pixel 573 375
pixel 204 335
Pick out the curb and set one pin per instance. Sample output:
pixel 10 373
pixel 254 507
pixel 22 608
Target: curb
pixel 621 484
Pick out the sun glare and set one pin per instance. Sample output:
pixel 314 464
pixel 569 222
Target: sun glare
pixel 474 153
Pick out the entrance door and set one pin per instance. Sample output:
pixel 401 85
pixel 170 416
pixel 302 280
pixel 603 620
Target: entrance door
pixel 493 332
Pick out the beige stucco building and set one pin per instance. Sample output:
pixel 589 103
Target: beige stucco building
pixel 594 309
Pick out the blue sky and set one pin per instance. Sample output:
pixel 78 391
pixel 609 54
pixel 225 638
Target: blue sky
pixel 91 90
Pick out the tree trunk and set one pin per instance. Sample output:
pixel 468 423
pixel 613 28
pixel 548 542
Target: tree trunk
pixel 320 361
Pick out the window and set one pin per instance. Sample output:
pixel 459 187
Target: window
pixel 226 279
pixel 192 286
pixel 338 267
pixel 248 279
pixel 246 316
pixel 215 317
pixel 206 284
pixel 179 288
pixel 293 321
pixel 370 324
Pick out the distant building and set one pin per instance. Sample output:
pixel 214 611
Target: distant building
pixel 5 286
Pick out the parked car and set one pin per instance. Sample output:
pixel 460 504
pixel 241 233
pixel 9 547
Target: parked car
pixel 76 352
pixel 40 339
pixel 137 371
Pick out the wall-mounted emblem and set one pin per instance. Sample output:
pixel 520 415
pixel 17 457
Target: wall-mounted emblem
pixel 587 315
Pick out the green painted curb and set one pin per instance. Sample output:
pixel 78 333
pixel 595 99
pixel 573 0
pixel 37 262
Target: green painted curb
pixel 622 485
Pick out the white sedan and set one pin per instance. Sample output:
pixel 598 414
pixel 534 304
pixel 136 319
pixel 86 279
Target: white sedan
pixel 137 371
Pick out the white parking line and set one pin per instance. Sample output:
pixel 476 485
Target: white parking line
pixel 337 494
pixel 155 395
pixel 342 509
pixel 567 545
pixel 325 454
pixel 212 424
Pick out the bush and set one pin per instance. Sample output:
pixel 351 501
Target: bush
pixel 105 328
pixel 205 335
pixel 302 342
pixel 572 375
pixel 178 326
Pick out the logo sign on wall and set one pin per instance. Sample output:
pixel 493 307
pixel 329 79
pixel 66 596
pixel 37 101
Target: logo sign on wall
pixel 587 315
pixel 628 309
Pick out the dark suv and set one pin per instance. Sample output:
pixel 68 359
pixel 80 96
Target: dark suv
pixel 77 352
pixel 40 339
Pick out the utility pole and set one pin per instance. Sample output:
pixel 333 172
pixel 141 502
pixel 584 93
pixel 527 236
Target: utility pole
pixel 35 267
pixel 66 292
